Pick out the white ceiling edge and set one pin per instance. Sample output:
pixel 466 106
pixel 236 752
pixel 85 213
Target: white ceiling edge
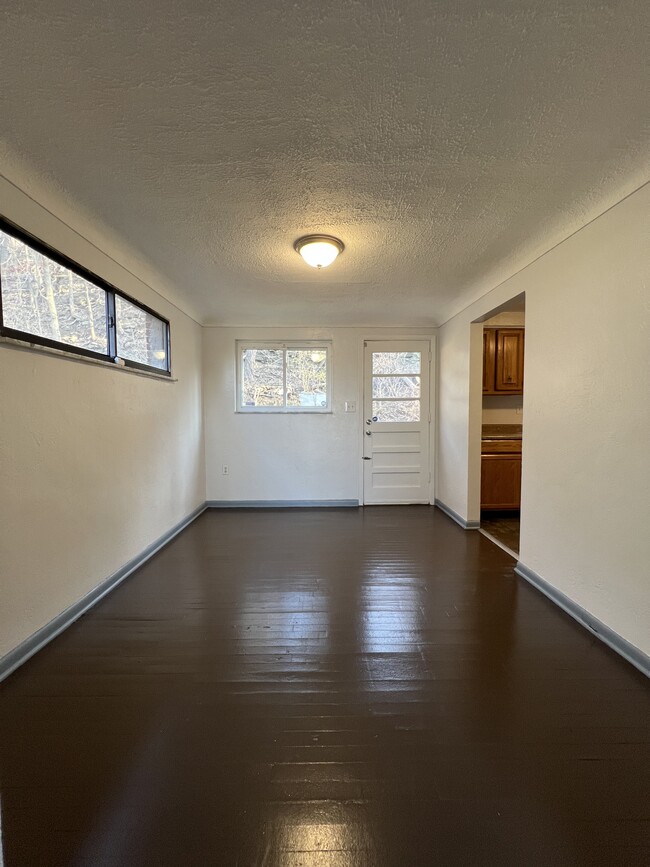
pixel 500 276
pixel 412 330
pixel 46 194
pixel 44 191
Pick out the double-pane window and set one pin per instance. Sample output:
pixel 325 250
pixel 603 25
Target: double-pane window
pixel 49 300
pixel 283 377
pixel 141 336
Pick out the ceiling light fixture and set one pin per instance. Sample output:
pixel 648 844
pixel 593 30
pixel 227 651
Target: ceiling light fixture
pixel 319 251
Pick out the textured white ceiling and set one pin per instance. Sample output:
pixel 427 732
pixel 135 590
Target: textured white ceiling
pixel 447 143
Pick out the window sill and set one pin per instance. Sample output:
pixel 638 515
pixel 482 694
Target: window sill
pixel 286 412
pixel 26 346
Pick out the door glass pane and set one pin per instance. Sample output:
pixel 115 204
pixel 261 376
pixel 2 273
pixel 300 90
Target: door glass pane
pixel 396 386
pixel 396 362
pixel 141 336
pixel 43 298
pixel 396 410
pixel 307 377
pixel 262 377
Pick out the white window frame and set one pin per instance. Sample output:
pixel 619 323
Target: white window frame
pixel 325 345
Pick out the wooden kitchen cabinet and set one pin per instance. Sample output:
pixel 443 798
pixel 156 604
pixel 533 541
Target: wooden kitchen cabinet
pixel 489 359
pixel 503 360
pixel 501 475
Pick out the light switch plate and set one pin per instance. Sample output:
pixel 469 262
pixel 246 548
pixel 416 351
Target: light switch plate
pixel 350 406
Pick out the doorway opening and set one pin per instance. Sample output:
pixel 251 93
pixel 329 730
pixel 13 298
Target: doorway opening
pixel 502 423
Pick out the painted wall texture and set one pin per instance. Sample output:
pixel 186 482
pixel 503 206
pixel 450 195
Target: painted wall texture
pixel 96 463
pixel 586 466
pixel 503 410
pixel 292 456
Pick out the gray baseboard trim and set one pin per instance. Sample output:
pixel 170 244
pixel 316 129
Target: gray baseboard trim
pixel 612 639
pixel 466 525
pixel 27 648
pixel 282 504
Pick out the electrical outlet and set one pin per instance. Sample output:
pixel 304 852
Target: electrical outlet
pixel 225 470
pixel 350 406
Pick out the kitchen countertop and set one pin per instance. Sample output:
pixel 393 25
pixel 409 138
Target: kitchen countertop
pixel 501 432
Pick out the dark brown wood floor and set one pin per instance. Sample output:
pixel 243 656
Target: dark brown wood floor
pixel 503 527
pixel 325 687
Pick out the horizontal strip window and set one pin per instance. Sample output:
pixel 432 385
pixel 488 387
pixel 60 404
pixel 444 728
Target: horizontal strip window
pixel 49 300
pixel 283 377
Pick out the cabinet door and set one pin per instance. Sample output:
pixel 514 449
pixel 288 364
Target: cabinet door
pixel 501 481
pixel 510 360
pixel 489 359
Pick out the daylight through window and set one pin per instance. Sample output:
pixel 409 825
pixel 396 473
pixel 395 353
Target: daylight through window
pixel 283 377
pixel 50 300
pixel 396 378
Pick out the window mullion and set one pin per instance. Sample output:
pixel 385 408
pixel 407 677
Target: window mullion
pixel 111 328
pixel 284 377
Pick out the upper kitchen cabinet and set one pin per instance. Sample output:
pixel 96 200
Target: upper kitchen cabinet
pixel 503 360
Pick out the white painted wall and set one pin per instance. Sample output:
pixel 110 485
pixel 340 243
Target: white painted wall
pixel 286 456
pixel 510 319
pixel 503 409
pixel 586 463
pixel 96 463
pixel 452 476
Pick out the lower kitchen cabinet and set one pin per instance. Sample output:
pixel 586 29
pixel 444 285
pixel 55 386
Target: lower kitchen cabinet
pixel 501 477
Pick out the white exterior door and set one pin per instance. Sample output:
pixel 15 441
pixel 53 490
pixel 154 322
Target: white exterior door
pixel 396 421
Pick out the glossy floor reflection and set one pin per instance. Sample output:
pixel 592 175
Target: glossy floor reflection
pixel 325 687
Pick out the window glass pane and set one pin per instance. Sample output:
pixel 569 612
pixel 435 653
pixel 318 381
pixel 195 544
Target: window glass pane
pixel 307 377
pixel 43 298
pixel 262 377
pixel 396 362
pixel 396 386
pixel 396 410
pixel 140 336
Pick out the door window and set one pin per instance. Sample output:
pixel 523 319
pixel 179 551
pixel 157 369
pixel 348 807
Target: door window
pixel 396 386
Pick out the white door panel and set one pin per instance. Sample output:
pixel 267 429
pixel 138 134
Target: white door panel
pixel 396 421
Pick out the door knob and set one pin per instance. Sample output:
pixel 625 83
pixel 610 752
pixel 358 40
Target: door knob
pixel 368 421
pixel 368 433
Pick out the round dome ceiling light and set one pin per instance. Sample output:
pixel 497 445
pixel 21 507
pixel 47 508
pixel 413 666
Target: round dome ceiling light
pixel 319 251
